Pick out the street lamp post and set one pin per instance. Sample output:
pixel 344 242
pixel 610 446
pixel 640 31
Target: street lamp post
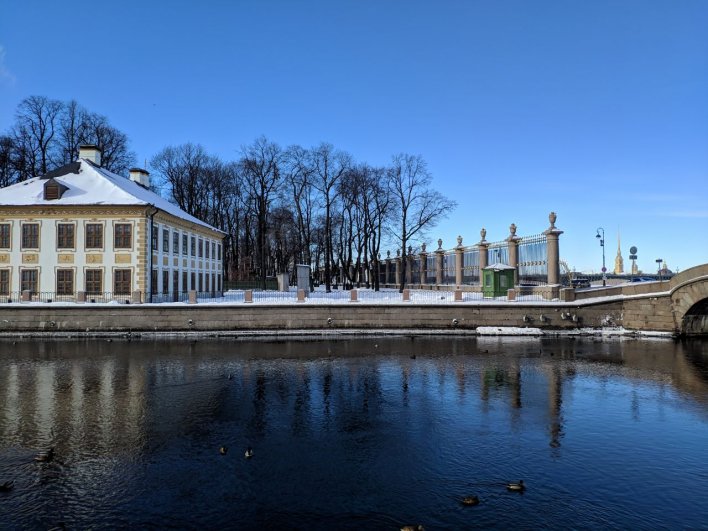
pixel 602 244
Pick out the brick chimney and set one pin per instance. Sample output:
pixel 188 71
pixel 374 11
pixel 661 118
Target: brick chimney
pixel 91 153
pixel 140 176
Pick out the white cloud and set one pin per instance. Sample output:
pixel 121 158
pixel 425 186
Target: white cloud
pixel 6 77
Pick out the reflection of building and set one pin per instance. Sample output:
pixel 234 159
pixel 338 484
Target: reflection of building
pixel 619 261
pixel 81 229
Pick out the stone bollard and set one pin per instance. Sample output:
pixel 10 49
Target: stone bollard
pixel 353 296
pixel 567 294
pixel 192 296
pixel 511 295
pixel 136 297
pixel 301 295
pixel 26 295
pixel 248 295
pixel 406 295
pixel 458 295
pixel 80 296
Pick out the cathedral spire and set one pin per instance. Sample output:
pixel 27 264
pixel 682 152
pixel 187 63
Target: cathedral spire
pixel 619 261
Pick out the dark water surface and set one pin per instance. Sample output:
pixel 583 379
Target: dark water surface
pixel 355 434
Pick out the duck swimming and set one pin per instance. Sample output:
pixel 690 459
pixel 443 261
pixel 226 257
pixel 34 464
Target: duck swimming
pixel 470 500
pixel 223 450
pixel 7 486
pixel 45 456
pixel 249 453
pixel 516 487
pixel 413 528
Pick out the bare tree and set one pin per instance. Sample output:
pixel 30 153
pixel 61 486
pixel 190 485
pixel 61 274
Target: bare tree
pixel 298 174
pixel 260 167
pixel 35 127
pixel 115 155
pixel 415 206
pixel 329 166
pixel 182 171
pixel 8 171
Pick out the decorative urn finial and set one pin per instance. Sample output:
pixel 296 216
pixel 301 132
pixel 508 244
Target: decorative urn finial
pixel 388 254
pixel 459 241
pixel 483 233
pixel 439 244
pixel 398 253
pixel 512 229
pixel 422 247
pixel 552 218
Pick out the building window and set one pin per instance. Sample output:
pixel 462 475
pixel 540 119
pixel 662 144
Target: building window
pixel 65 236
pixel 165 240
pixel 121 281
pixel 193 281
pixel 4 281
pixel 65 281
pixel 175 282
pixel 155 234
pixel 153 283
pixel 184 244
pixel 122 236
pixel 213 250
pixel 165 282
pixel 28 279
pixel 193 247
pixel 201 247
pixel 30 236
pixel 218 250
pixel 185 286
pixel 175 242
pixel 206 250
pixel 94 236
pixel 4 235
pixel 94 281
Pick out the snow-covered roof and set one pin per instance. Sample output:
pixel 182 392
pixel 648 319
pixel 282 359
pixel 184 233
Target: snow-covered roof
pixel 498 267
pixel 89 185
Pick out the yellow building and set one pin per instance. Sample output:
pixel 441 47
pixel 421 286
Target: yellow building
pixel 619 261
pixel 81 231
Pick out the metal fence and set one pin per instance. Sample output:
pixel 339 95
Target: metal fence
pixel 533 268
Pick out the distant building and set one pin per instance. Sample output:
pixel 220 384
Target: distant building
pixel 81 230
pixel 619 261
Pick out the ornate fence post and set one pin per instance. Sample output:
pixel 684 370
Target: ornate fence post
pixel 459 258
pixel 513 246
pixel 552 250
pixel 483 246
pixel 387 278
pixel 439 263
pixel 423 265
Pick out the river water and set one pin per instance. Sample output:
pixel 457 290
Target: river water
pixel 359 433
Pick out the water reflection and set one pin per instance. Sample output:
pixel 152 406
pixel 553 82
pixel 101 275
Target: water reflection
pixel 375 430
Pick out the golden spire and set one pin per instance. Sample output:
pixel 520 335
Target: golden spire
pixel 619 261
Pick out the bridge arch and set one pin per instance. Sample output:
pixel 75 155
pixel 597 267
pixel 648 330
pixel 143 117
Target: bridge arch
pixel 689 300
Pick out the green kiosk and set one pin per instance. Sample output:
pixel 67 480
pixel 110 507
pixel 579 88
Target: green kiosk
pixel 497 279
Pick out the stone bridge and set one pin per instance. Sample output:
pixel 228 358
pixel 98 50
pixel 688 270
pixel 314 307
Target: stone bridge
pixel 679 305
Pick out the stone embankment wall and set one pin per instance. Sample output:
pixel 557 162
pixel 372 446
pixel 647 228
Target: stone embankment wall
pixel 204 318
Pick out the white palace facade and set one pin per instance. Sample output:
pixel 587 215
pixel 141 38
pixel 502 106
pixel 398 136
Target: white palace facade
pixel 81 233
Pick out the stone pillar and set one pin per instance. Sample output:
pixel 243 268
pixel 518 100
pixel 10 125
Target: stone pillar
pixel 423 265
pixel 439 263
pixel 552 250
pixel 354 296
pixel 409 265
pixel 513 246
pixel 387 277
pixel 483 247
pixel 398 267
pixel 459 257
pixel 136 297
pixel 406 295
pixel 80 296
pixel 248 295
pixel 192 297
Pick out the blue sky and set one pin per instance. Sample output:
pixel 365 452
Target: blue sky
pixel 597 110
